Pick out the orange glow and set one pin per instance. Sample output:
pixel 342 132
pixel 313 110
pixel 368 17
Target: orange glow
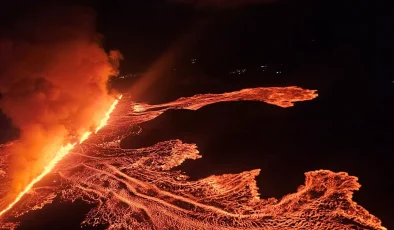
pixel 85 136
pixel 63 151
pixel 138 108
pixel 104 121
pixel 139 188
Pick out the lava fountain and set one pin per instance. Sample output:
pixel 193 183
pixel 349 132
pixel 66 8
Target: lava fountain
pixel 59 155
pixel 53 82
pixel 138 188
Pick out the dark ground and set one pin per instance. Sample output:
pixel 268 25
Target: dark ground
pixel 340 48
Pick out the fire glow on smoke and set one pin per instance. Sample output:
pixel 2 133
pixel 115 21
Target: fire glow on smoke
pixel 53 86
pixel 59 155
pixel 136 188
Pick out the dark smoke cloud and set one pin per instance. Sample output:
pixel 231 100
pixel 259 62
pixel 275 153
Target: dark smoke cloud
pixel 223 3
pixel 53 82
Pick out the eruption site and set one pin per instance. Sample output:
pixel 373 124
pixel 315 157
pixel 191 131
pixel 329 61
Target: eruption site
pixel 137 188
pixel 53 85
pixel 53 82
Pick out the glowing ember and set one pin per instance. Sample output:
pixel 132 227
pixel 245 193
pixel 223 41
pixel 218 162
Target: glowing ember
pixel 63 151
pixel 136 188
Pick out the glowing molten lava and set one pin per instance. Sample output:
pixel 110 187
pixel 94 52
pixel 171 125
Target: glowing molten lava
pixel 137 188
pixel 64 150
pixel 104 121
pixel 59 155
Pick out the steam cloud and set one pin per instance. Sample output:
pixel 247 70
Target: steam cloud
pixel 53 81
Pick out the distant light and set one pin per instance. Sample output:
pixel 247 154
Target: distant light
pixel 238 71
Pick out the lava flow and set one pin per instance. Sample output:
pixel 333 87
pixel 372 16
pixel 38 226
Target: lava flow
pixel 137 188
pixel 63 151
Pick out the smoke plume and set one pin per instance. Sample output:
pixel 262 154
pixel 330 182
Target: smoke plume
pixel 53 82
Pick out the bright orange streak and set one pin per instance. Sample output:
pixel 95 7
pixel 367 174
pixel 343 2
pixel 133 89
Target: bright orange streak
pixel 63 151
pixel 103 122
pixel 85 136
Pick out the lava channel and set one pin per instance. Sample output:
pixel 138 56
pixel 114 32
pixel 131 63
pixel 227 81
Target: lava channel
pixel 137 188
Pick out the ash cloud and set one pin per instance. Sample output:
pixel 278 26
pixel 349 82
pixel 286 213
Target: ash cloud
pixel 53 82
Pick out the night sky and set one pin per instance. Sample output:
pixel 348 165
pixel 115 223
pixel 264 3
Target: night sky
pixel 343 49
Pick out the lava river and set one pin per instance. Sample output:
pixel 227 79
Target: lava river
pixel 137 188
